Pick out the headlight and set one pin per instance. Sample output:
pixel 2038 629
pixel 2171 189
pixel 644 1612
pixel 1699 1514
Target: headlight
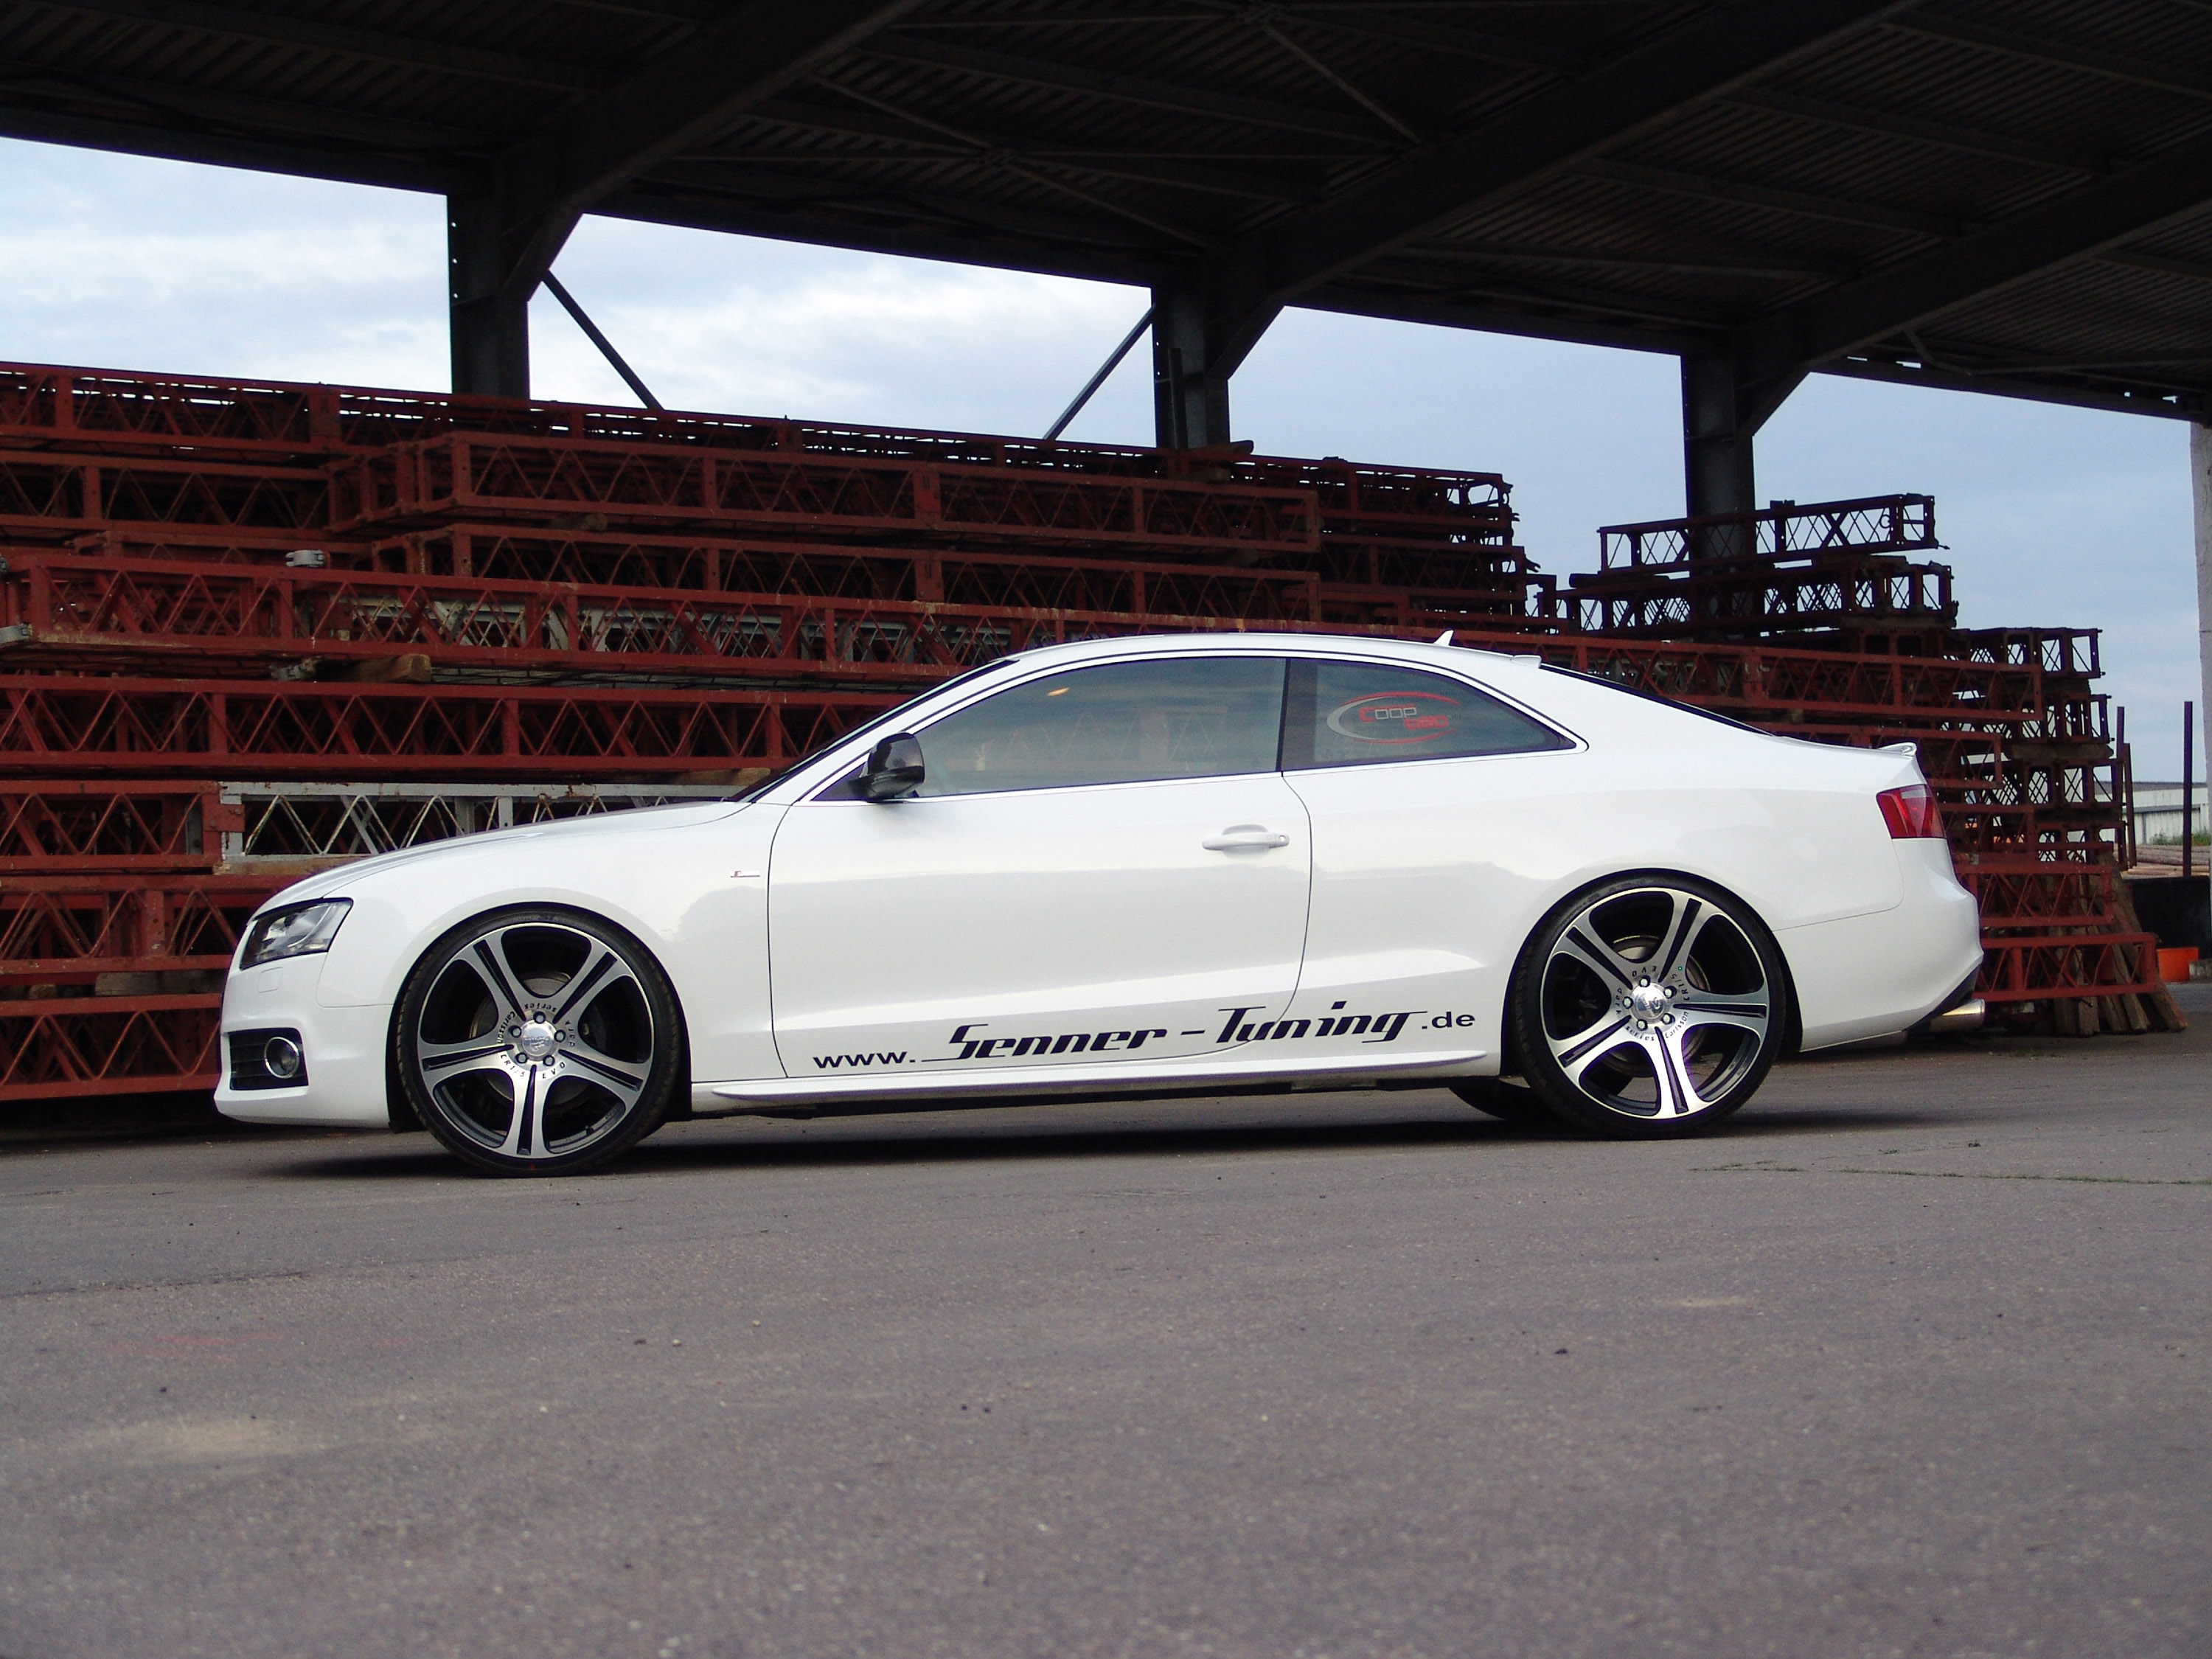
pixel 297 930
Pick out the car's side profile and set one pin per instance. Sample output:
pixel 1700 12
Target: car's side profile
pixel 1127 867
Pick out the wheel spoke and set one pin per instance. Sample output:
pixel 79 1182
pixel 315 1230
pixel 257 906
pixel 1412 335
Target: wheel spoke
pixel 1677 1098
pixel 488 956
pixel 1599 959
pixel 441 1062
pixel 1671 1060
pixel 1598 1050
pixel 624 1080
pixel 1568 1049
pixel 1750 1016
pixel 1682 928
pixel 517 1143
pixel 591 980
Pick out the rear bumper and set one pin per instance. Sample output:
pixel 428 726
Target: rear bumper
pixel 1872 975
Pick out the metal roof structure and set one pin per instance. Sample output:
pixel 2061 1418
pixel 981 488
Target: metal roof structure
pixel 2008 196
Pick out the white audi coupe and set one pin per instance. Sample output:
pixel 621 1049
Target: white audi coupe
pixel 1155 867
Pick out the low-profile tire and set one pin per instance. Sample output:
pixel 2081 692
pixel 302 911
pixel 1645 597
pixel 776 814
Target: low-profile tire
pixel 538 1042
pixel 1649 1006
pixel 1513 1103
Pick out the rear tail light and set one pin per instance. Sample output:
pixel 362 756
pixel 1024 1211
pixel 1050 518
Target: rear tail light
pixel 1911 812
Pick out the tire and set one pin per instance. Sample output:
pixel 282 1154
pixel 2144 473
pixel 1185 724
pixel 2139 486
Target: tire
pixel 1506 1101
pixel 1649 1006
pixel 538 1042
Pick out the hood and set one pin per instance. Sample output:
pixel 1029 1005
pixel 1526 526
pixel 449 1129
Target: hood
pixel 640 820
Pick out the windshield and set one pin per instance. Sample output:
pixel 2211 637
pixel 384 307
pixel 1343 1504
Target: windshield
pixel 889 717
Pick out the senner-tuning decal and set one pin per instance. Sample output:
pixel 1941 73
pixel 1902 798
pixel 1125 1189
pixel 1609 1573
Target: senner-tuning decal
pixel 1236 1029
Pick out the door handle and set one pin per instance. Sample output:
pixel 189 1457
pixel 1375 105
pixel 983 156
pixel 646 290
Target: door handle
pixel 1241 837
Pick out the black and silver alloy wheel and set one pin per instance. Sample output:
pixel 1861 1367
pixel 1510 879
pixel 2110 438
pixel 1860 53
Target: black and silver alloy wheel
pixel 1649 1006
pixel 537 1041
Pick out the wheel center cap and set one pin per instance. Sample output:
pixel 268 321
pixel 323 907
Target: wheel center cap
pixel 1650 1001
pixel 537 1040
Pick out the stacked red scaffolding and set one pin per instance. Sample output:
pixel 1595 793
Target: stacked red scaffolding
pixel 2009 728
pixel 245 629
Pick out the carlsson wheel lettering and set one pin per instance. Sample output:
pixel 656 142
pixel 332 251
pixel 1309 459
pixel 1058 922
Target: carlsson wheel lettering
pixel 534 1040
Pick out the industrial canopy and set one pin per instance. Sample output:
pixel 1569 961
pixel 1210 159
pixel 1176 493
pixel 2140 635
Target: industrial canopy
pixel 2009 195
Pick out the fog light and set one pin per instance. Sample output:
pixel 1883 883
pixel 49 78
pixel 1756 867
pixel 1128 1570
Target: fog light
pixel 281 1056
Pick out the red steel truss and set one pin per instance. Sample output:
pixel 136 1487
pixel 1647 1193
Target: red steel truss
pixel 1743 598
pixel 470 475
pixel 56 825
pixel 68 609
pixel 64 726
pixel 77 928
pixel 50 497
pixel 1875 524
pixel 83 1046
pixel 96 411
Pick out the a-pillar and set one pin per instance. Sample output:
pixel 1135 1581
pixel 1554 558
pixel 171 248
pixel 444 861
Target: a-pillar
pixel 1190 373
pixel 489 319
pixel 2200 470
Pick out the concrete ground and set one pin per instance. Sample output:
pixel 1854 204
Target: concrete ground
pixel 1911 1361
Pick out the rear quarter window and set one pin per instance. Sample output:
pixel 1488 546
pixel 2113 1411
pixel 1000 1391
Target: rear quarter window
pixel 1360 714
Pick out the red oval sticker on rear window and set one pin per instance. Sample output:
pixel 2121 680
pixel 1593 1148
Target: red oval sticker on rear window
pixel 1393 717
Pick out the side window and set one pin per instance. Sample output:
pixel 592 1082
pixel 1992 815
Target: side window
pixel 1349 714
pixel 1118 723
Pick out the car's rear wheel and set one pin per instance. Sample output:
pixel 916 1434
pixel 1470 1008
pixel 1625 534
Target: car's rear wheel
pixel 1649 1006
pixel 538 1042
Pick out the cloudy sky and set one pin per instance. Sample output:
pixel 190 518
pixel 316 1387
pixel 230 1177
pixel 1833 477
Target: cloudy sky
pixel 2052 516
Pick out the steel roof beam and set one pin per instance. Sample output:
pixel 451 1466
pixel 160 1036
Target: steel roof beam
pixel 1094 164
pixel 1130 89
pixel 368 46
pixel 1804 205
pixel 1897 124
pixel 1701 265
pixel 2163 265
pixel 1432 188
pixel 2173 404
pixel 2060 54
pixel 354 160
pixel 2079 225
pixel 544 183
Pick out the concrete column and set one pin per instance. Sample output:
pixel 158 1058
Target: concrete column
pixel 489 320
pixel 2200 475
pixel 1190 381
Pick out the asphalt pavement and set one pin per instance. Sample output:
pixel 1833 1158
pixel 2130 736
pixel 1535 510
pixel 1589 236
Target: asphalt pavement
pixel 1912 1361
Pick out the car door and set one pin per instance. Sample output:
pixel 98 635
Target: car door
pixel 1103 865
pixel 1435 813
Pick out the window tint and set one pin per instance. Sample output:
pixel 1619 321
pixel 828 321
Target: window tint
pixel 1356 714
pixel 1118 723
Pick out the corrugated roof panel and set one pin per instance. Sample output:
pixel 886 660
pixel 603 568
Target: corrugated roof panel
pixel 1054 132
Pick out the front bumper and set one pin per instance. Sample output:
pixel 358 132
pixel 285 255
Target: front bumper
pixel 343 1049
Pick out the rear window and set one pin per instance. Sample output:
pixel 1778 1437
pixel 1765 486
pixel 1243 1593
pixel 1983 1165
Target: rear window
pixel 1364 713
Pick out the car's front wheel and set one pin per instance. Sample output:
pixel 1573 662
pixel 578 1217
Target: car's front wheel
pixel 538 1042
pixel 1649 1006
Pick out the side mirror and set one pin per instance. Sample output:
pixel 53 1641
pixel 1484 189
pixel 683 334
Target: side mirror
pixel 894 767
